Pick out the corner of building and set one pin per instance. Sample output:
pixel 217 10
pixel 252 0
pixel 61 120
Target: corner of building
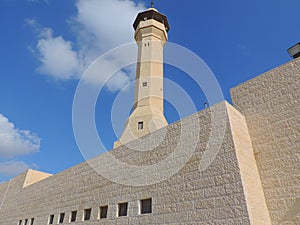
pixel 255 198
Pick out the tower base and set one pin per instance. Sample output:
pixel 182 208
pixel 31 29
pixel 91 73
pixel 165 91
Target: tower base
pixel 142 121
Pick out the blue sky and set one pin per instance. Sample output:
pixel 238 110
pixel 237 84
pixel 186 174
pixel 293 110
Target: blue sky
pixel 46 46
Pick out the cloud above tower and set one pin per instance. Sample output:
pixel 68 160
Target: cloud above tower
pixel 97 26
pixel 15 142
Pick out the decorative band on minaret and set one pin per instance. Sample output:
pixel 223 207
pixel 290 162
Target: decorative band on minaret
pixel 151 28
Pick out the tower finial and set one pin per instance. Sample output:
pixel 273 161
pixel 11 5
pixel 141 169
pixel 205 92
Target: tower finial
pixel 152 4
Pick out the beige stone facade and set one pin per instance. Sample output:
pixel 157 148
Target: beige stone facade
pixel 213 196
pixel 271 106
pixel 253 177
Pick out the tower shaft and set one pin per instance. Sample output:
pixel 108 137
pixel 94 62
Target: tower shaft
pixel 148 110
pixel 149 75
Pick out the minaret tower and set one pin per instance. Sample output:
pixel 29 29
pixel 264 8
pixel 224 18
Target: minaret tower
pixel 151 29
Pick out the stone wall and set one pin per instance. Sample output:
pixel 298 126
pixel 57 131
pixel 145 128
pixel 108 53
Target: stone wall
pixel 271 106
pixel 255 198
pixel 215 195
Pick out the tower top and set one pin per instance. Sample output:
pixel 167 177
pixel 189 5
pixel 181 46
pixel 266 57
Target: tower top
pixel 152 4
pixel 149 14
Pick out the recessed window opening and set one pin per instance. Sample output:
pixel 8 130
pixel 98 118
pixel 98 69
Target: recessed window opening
pixel 25 222
pixel 145 84
pixel 73 216
pixel 122 209
pixel 146 206
pixel 141 125
pixel 51 219
pixel 61 217
pixel 32 221
pixel 103 212
pixel 87 214
pixel 20 222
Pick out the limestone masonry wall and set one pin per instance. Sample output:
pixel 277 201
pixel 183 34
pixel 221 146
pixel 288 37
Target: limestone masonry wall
pixel 256 203
pixel 212 196
pixel 271 106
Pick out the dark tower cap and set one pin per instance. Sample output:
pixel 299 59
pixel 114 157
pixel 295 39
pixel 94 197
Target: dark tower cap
pixel 151 14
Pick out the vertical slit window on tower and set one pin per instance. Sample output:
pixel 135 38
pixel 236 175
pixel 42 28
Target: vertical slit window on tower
pixel 51 219
pixel 25 222
pixel 32 221
pixel 146 206
pixel 87 214
pixel 20 222
pixel 122 209
pixel 73 216
pixel 103 212
pixel 140 125
pixel 61 217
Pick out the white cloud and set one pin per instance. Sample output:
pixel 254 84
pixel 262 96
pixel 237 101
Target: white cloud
pixel 57 57
pixel 99 25
pixel 15 142
pixel 109 22
pixel 12 168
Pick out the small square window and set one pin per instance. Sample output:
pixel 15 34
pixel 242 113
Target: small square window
pixel 32 221
pixel 140 125
pixel 122 209
pixel 103 212
pixel 20 222
pixel 61 217
pixel 146 206
pixel 51 219
pixel 87 214
pixel 73 216
pixel 25 222
pixel 145 84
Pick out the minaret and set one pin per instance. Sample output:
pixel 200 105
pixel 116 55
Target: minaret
pixel 151 29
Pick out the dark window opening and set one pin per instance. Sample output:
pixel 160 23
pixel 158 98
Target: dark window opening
pixel 32 221
pixel 145 84
pixel 20 222
pixel 123 209
pixel 61 217
pixel 51 219
pixel 25 222
pixel 87 214
pixel 103 212
pixel 146 206
pixel 73 216
pixel 140 125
